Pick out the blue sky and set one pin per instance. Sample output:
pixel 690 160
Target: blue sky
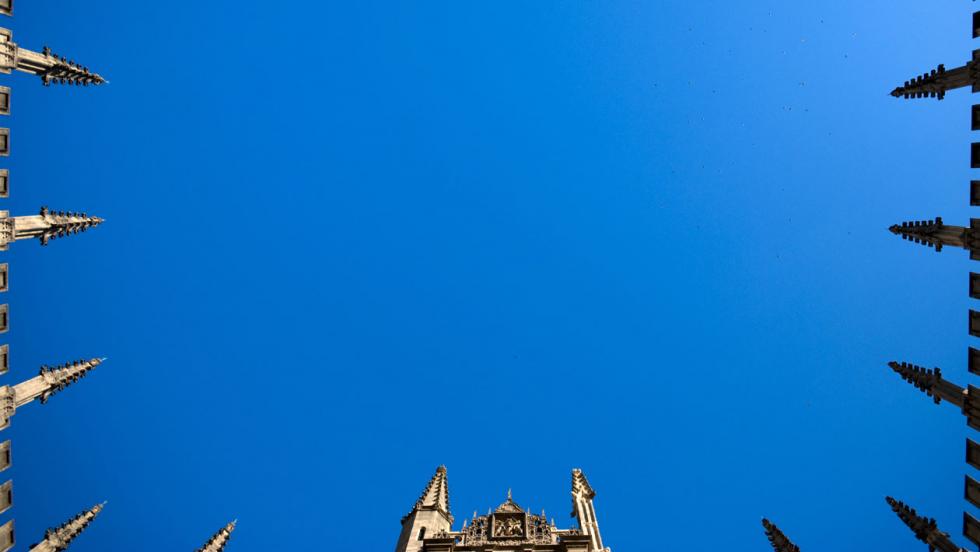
pixel 348 242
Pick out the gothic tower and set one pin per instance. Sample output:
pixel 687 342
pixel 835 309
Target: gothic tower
pixel 428 528
pixel 429 516
pixel 58 538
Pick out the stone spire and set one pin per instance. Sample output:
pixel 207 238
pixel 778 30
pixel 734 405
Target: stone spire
pixel 924 528
pixel 45 226
pixel 777 539
pixel 436 495
pixel 937 82
pixel 58 538
pixel 52 380
pixel 931 382
pixel 429 517
pixel 48 382
pixel 934 233
pixel 51 67
pixel 219 540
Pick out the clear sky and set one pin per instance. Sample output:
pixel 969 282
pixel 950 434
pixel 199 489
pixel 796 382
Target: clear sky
pixel 347 242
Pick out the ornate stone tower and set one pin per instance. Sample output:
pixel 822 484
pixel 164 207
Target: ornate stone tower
pixel 429 516
pixel 58 538
pixel 508 527
pixel 219 540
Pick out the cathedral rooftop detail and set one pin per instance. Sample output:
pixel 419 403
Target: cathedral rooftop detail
pixel 428 527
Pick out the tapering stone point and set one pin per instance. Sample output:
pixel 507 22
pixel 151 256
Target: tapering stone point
pixel 928 85
pixel 925 232
pixel 65 71
pixel 435 496
pixel 924 379
pixel 49 66
pixel 912 226
pixel 59 224
pixel 779 541
pixel 921 526
pixel 60 377
pixel 59 538
pixel 220 539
